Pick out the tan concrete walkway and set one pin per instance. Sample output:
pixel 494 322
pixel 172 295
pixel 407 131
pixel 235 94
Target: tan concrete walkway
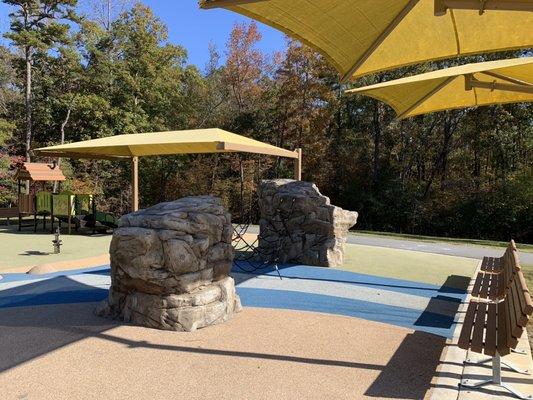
pixel 64 352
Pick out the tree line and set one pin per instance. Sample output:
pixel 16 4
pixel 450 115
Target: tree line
pixel 68 76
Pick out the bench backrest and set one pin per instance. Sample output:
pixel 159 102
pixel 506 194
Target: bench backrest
pixel 513 314
pixel 9 212
pixel 510 265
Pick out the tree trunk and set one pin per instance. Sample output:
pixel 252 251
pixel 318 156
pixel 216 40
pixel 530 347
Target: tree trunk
pixel 376 135
pixel 62 131
pixel 449 128
pixel 27 102
pixel 109 15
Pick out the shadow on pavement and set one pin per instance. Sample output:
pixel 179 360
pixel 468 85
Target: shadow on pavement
pixel 409 372
pixel 30 332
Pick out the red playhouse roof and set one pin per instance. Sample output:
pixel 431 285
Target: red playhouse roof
pixel 39 172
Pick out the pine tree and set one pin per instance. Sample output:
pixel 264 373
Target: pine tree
pixel 37 26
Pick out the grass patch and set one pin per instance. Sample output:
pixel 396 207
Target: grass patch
pixel 409 265
pixel 433 239
pixel 27 249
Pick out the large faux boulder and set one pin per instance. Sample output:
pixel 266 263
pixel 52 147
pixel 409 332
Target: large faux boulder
pixel 299 225
pixel 170 266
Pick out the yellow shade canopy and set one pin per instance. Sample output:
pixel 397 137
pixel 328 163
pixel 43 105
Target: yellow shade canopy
pixel 367 36
pixel 164 143
pixel 470 85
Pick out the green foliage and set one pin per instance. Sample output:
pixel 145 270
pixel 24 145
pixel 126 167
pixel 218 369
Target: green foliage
pixel 6 130
pixel 36 23
pixel 458 173
pixel 7 186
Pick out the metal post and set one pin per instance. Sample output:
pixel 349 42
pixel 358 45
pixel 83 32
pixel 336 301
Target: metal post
pixel 19 205
pixel 497 369
pixel 69 208
pixel 57 242
pixel 298 165
pixel 135 184
pixel 441 6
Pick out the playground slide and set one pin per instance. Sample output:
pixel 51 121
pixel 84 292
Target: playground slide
pixel 103 221
pixel 107 219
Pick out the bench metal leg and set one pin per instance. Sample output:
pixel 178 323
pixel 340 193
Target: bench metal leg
pixel 505 363
pixel 519 351
pixel 495 381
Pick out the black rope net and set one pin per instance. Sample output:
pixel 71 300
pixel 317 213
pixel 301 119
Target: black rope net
pixel 250 253
pixel 267 249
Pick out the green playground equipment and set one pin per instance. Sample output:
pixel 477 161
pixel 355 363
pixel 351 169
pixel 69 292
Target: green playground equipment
pixel 84 204
pixel 43 207
pixel 63 209
pixel 43 202
pixel 78 210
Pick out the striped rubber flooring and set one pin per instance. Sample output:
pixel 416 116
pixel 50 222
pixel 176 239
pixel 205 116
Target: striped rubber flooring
pixel 415 305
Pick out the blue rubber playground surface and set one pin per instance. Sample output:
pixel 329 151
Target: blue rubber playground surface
pixel 414 305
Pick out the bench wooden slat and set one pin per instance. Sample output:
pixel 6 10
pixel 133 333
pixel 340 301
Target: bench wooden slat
pixel 491 329
pixel 515 313
pixel 485 286
pixel 479 328
pixel 524 294
pixel 466 331
pixel 504 341
pixel 476 290
pixel 490 264
pixel 515 260
pixel 485 264
pixel 497 286
pixel 519 303
pixel 496 265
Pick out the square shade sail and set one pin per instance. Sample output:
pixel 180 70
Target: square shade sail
pixel 164 143
pixel 194 141
pixel 470 85
pixel 367 36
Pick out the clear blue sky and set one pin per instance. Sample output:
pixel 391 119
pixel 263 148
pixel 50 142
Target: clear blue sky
pixel 193 28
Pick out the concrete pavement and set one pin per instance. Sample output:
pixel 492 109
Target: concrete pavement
pixel 449 249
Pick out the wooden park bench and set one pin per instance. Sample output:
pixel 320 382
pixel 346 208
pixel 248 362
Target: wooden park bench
pixel 493 264
pixel 495 321
pixel 496 274
pixel 8 213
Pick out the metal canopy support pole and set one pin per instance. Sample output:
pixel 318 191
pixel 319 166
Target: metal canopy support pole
pixel 19 204
pixel 471 82
pixel 442 6
pixel 134 184
pixel 298 165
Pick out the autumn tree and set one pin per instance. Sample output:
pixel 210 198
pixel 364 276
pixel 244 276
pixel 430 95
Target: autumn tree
pixel 304 105
pixel 244 67
pixel 462 173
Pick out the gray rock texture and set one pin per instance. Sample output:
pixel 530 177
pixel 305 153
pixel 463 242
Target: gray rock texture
pixel 299 225
pixel 170 266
